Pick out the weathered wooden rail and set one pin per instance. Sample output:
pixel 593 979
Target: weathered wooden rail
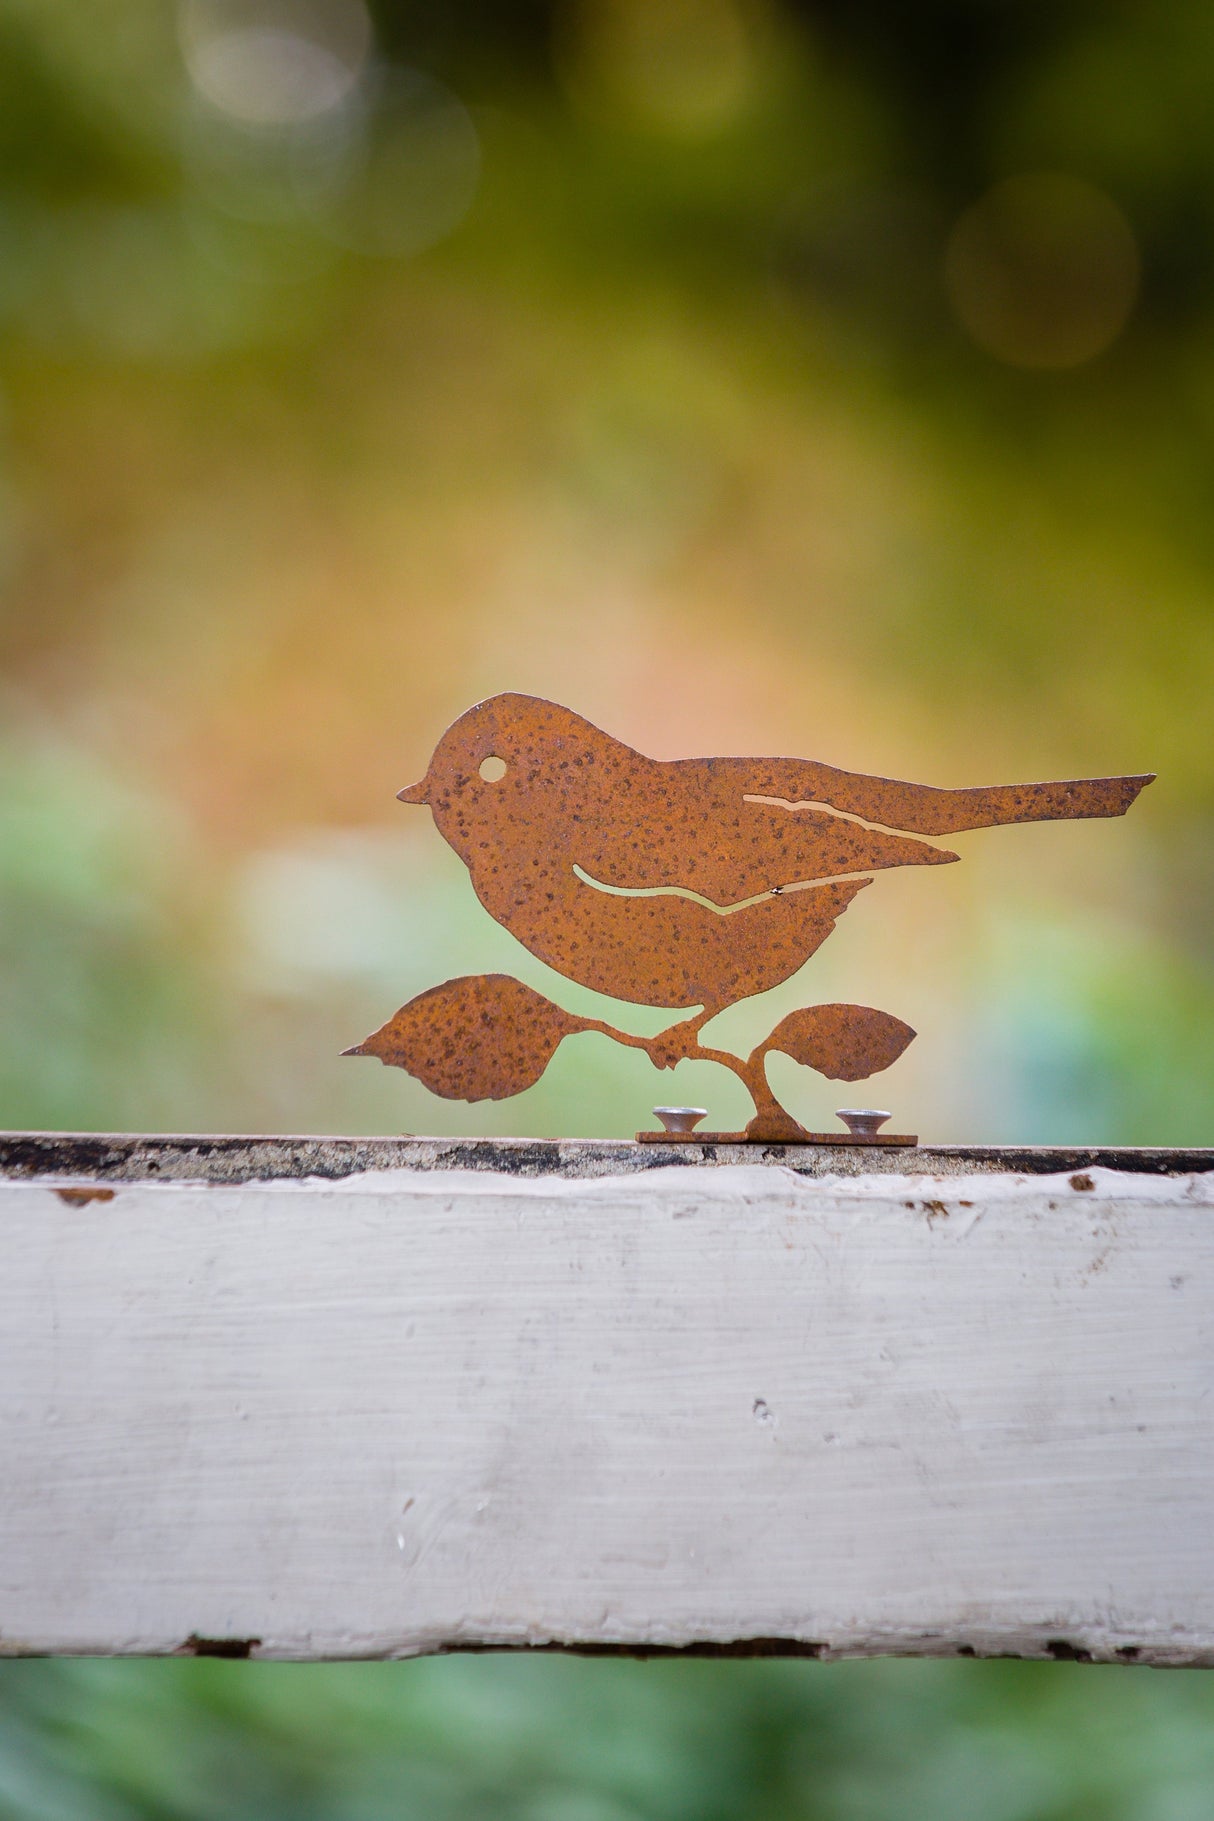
pixel 345 1397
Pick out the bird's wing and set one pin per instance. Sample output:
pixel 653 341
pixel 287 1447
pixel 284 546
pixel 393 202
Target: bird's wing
pixel 921 809
pixel 728 849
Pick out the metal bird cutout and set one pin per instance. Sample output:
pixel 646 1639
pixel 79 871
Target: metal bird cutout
pixel 688 884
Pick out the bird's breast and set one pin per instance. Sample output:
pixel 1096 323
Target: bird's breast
pixel 661 948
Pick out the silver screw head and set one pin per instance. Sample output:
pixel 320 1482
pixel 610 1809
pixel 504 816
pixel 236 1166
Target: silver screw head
pixel 862 1122
pixel 680 1119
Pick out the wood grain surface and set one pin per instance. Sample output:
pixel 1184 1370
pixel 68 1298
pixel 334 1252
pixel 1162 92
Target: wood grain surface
pixel 718 1408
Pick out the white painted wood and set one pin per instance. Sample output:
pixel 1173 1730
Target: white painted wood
pixel 408 1411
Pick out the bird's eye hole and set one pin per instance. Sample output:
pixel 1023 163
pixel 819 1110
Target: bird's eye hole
pixel 492 769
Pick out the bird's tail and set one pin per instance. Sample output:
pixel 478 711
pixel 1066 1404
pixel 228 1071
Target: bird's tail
pixel 922 809
pixel 953 811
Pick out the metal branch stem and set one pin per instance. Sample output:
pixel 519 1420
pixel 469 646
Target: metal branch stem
pixel 686 1047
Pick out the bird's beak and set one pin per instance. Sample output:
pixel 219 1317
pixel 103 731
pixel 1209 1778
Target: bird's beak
pixel 414 793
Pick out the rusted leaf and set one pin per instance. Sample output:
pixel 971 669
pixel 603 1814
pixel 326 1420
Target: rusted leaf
pixel 479 1037
pixel 843 1042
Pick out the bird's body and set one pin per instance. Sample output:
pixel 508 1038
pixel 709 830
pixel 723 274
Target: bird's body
pixel 694 882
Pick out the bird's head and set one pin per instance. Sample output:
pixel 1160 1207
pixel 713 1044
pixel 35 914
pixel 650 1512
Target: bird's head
pixel 501 769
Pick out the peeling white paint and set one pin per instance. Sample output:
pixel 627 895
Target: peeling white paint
pixel 412 1410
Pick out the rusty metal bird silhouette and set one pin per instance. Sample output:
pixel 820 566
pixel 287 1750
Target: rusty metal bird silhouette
pixel 690 883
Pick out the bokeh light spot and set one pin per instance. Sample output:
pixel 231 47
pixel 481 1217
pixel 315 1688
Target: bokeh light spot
pixel 1043 271
pixel 683 66
pixel 263 173
pixel 274 62
pixel 408 172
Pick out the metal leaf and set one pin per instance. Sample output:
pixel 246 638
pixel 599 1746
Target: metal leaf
pixel 843 1042
pixel 478 1037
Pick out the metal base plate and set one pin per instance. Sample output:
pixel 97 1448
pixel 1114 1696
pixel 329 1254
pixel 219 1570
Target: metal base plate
pixel 832 1138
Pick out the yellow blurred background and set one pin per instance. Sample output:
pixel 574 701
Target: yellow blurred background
pixel 750 377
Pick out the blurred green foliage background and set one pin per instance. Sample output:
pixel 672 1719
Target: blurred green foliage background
pixel 824 378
